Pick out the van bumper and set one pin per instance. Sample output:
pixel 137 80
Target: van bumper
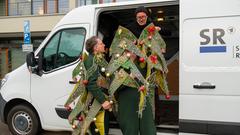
pixel 209 127
pixel 2 106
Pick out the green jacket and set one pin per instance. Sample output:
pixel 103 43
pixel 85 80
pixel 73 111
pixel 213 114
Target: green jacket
pixel 92 86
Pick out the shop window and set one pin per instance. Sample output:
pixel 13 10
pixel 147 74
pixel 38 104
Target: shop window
pixel 2 8
pixel 11 54
pixel 87 2
pixel 19 7
pixel 18 57
pixel 63 6
pixel 107 1
pixel 37 6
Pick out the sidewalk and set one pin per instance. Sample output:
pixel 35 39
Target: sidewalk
pixel 114 131
pixel 118 132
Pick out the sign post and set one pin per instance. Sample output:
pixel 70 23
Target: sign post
pixel 27 46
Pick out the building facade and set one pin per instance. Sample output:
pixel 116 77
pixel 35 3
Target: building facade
pixel 42 15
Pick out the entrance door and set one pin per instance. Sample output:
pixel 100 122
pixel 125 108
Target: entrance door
pixel 4 62
pixel 60 55
pixel 209 66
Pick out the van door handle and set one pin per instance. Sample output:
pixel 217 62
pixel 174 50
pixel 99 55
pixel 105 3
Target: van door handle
pixel 204 85
pixel 72 82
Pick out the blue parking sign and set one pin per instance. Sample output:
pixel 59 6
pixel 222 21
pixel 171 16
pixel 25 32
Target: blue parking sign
pixel 27 38
pixel 27 35
pixel 26 26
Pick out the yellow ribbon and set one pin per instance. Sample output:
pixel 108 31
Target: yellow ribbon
pixel 100 122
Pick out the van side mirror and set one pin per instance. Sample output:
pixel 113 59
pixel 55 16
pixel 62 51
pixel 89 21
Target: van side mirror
pixel 31 62
pixel 34 64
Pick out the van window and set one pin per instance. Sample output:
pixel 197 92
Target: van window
pixel 64 47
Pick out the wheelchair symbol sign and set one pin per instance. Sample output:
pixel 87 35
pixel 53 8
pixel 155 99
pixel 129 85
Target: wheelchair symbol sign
pixel 26 26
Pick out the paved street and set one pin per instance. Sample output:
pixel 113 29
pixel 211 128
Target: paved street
pixel 4 131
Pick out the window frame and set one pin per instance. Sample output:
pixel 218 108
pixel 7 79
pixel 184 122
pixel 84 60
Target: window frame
pixel 46 44
pixel 45 7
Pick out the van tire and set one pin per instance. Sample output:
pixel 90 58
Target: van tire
pixel 22 119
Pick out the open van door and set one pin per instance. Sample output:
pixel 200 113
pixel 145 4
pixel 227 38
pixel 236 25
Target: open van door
pixel 209 66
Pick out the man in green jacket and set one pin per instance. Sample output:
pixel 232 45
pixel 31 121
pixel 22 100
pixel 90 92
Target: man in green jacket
pixel 95 46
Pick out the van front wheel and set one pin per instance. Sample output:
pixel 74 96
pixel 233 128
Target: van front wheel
pixel 22 120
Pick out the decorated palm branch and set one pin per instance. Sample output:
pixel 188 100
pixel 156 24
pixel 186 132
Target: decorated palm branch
pixel 87 109
pixel 148 48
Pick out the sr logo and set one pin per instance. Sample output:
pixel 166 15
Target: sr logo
pixel 217 35
pixel 212 41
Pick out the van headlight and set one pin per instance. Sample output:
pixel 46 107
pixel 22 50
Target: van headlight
pixel 4 80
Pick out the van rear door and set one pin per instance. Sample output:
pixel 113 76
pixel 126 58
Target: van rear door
pixel 209 66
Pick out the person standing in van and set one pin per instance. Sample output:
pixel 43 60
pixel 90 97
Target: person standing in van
pixel 142 20
pixel 95 46
pixel 128 97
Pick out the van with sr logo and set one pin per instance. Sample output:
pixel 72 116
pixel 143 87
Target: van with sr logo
pixel 203 57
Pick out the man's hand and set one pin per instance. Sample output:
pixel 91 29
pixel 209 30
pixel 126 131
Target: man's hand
pixel 157 28
pixel 163 50
pixel 106 105
pixel 135 42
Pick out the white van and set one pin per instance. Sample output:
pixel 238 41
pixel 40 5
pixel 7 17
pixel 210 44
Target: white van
pixel 203 78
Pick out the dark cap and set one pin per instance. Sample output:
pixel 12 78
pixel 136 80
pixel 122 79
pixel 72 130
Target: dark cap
pixel 141 9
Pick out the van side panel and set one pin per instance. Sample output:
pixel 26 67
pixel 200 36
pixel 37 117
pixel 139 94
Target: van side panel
pixel 209 66
pixel 17 85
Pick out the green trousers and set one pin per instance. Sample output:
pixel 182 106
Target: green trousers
pixel 129 121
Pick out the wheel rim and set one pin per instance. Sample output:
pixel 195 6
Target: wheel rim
pixel 22 122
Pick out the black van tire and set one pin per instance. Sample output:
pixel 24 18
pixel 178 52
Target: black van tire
pixel 22 119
